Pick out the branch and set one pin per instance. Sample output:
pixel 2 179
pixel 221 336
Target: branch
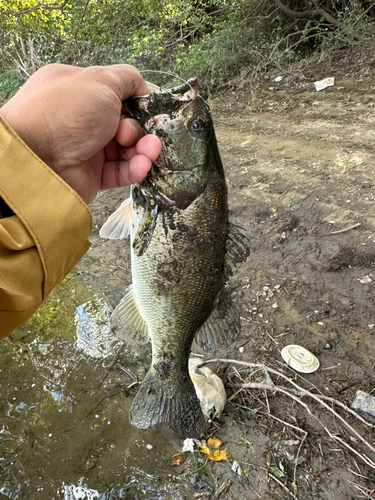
pixel 309 13
pixel 39 6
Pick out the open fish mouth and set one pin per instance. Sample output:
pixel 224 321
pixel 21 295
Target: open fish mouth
pixel 161 102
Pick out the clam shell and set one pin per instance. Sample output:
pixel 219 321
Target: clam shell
pixel 300 359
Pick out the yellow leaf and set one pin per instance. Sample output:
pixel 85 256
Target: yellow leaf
pixel 219 455
pixel 205 449
pixel 214 442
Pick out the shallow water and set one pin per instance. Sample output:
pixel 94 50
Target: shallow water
pixel 64 430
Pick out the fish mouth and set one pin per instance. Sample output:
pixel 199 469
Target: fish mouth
pixel 167 102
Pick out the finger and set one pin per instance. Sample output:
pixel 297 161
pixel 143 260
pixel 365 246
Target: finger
pixel 130 81
pixel 125 172
pixel 129 132
pixel 149 145
pixel 134 168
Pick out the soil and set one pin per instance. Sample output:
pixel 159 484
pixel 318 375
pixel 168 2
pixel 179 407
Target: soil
pixel 300 167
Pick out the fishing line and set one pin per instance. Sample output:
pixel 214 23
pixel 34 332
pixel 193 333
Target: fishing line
pixel 165 73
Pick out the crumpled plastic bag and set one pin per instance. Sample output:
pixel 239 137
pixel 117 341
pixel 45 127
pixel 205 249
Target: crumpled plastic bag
pixel 209 388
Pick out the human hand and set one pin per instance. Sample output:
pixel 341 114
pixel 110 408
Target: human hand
pixel 71 118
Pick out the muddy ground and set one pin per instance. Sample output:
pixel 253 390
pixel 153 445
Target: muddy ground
pixel 300 165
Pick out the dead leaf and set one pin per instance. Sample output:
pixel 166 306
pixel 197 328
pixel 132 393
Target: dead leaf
pixel 211 450
pixel 214 442
pixel 179 458
pixel 219 455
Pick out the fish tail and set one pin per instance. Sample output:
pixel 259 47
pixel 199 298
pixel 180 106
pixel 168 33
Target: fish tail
pixel 173 402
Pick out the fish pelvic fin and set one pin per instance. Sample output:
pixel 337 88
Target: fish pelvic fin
pixel 118 225
pixel 237 249
pixel 127 321
pixel 172 402
pixel 222 327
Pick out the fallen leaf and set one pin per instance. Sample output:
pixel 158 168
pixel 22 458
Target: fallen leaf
pixel 179 458
pixel 219 455
pixel 214 442
pixel 209 447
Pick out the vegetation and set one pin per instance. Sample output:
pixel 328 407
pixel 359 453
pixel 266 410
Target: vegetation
pixel 223 42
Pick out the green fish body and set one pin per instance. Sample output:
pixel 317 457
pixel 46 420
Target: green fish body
pixel 180 244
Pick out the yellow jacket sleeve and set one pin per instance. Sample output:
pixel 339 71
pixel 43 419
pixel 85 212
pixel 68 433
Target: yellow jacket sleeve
pixel 44 236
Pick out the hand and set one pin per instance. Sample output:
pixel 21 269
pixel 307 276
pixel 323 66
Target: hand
pixel 71 118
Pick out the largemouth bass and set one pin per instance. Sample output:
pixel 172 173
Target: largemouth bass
pixel 181 250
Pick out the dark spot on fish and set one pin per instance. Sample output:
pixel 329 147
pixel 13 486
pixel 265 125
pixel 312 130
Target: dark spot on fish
pixel 138 198
pixel 163 370
pixel 161 102
pixel 170 270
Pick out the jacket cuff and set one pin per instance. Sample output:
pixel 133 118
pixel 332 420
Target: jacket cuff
pixel 57 219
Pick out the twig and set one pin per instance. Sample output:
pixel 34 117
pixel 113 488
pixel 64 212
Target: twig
pixel 362 489
pixel 346 229
pixel 282 485
pixel 111 364
pixel 303 392
pixel 223 488
pixel 299 448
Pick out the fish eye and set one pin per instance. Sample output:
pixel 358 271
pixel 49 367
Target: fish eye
pixel 197 126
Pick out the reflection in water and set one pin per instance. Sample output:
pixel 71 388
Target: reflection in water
pixel 64 432
pixel 72 492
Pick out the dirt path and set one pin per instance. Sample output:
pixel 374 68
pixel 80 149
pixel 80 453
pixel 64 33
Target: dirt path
pixel 299 165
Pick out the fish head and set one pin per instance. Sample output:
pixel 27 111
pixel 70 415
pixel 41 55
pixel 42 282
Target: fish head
pixel 181 118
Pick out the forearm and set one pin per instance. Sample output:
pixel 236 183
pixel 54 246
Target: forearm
pixel 45 237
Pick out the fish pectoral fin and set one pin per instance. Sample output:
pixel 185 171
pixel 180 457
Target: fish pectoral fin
pixel 143 236
pixel 118 225
pixel 222 327
pixel 237 249
pixel 127 322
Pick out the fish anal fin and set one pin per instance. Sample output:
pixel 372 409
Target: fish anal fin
pixel 222 327
pixel 127 322
pixel 118 225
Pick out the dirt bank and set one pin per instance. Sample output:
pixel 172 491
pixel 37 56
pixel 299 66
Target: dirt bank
pixel 300 165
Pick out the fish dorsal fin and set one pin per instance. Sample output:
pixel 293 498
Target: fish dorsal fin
pixel 222 327
pixel 236 247
pixel 127 321
pixel 118 225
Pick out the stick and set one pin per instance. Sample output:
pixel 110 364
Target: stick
pixel 302 392
pixel 282 485
pixel 112 363
pixel 346 229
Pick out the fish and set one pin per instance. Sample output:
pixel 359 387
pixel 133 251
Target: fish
pixel 182 251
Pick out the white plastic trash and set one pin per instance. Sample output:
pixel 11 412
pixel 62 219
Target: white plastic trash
pixel 300 359
pixel 326 82
pixel 209 388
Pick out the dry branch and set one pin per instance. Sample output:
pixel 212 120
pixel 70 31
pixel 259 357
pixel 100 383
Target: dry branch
pixel 303 392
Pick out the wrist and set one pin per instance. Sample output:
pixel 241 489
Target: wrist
pixel 32 134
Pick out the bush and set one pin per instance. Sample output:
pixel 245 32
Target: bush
pixel 10 82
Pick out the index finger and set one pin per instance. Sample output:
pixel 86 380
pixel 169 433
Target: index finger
pixel 129 81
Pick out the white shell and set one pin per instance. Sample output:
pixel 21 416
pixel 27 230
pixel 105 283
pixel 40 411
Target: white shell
pixel 300 359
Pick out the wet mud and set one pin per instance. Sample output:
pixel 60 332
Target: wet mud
pixel 300 169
